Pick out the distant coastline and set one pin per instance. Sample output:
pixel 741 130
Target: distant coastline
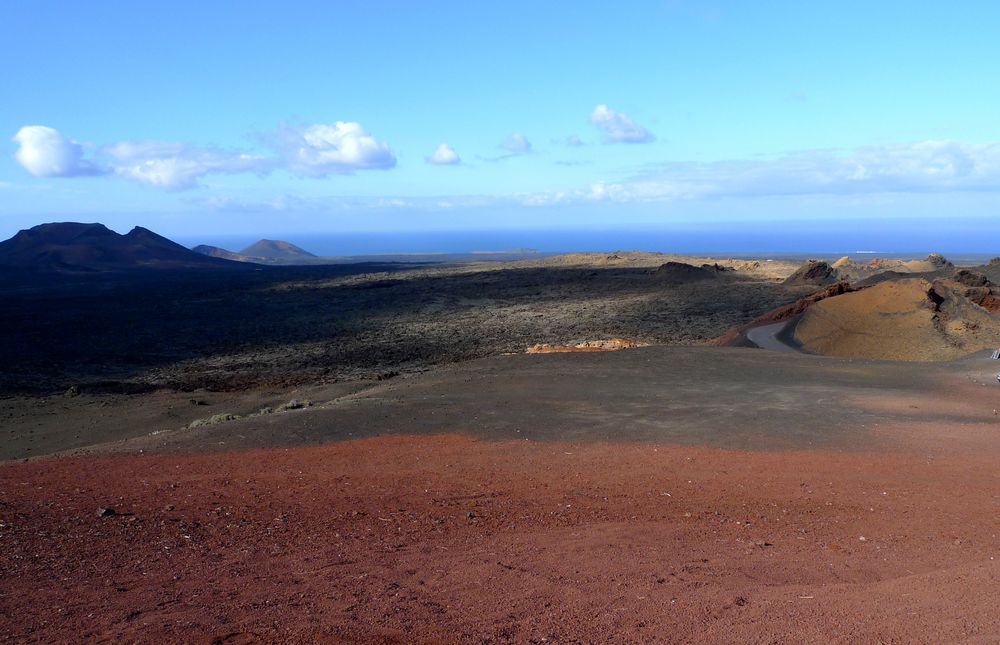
pixel 737 244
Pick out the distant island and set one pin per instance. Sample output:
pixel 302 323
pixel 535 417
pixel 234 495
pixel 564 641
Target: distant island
pixel 261 252
pixel 280 252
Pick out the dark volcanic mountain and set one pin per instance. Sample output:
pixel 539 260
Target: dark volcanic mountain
pixel 72 246
pixel 275 250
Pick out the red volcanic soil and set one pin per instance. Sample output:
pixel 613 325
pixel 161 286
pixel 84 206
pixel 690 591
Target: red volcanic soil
pixel 445 538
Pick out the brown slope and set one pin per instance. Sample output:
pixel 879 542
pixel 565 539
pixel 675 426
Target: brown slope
pixel 736 337
pixel 909 319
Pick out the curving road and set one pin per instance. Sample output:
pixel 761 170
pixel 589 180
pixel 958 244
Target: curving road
pixel 766 337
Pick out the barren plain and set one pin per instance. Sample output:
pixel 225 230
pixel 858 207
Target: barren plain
pixel 431 482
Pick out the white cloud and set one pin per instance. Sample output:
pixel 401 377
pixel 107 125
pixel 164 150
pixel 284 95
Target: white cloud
pixel 323 149
pixel 312 151
pixel 178 166
pixel 574 141
pixel 320 150
pixel 444 155
pixel 618 128
pixel 863 175
pixel 926 166
pixel 43 152
pixel 516 143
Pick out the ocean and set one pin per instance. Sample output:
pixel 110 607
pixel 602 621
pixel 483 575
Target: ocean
pixel 961 247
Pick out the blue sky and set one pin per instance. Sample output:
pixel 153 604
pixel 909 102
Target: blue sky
pixel 209 118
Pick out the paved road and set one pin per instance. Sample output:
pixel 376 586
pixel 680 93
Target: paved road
pixel 766 337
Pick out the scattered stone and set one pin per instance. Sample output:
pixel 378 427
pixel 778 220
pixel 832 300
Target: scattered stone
pixel 72 391
pixel 106 511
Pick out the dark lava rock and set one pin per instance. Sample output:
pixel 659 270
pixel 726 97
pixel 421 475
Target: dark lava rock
pixel 813 272
pixel 939 261
pixel 106 511
pixel 680 273
pixel 971 279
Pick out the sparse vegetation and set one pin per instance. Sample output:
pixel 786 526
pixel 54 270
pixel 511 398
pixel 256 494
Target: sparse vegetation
pixel 212 420
pixel 294 404
pixel 346 323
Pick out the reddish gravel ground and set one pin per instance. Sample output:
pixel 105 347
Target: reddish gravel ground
pixel 445 538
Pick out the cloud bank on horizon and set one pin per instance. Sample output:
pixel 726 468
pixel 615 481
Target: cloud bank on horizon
pixel 921 167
